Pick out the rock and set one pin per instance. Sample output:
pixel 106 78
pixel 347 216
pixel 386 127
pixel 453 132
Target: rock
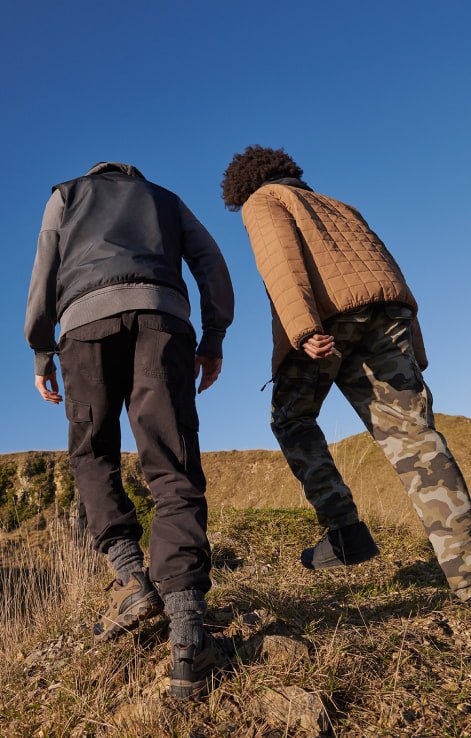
pixel 159 687
pixel 292 708
pixel 283 650
pixel 33 657
pixel 249 649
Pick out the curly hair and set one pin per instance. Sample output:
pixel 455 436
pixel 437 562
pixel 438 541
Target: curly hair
pixel 248 171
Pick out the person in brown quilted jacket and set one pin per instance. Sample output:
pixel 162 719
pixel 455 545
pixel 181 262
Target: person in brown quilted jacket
pixel 343 313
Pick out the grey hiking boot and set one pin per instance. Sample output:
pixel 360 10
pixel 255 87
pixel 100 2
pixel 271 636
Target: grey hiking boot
pixel 130 603
pixel 192 670
pixel 351 544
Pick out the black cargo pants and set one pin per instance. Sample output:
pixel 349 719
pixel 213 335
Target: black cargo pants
pixel 145 360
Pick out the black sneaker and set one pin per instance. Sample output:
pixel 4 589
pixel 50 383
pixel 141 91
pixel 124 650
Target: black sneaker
pixel 351 544
pixel 193 670
pixel 129 604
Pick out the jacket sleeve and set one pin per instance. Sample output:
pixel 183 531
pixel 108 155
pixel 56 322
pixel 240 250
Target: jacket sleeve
pixel 210 271
pixel 41 315
pixel 418 344
pixel 279 257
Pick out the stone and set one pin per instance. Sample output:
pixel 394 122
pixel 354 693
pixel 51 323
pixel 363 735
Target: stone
pixel 293 708
pixel 283 650
pixel 160 685
pixel 249 649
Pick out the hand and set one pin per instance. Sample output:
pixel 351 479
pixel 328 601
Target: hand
pixel 211 369
pixel 319 346
pixel 51 395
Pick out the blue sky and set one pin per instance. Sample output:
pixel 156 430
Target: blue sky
pixel 371 98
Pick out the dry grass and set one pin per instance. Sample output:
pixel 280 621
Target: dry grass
pixel 383 644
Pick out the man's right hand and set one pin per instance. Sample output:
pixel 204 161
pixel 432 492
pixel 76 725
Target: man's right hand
pixel 51 395
pixel 319 346
pixel 210 370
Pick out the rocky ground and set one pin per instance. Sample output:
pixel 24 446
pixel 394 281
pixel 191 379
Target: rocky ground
pixel 381 649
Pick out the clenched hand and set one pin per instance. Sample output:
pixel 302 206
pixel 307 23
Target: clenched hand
pixel 319 346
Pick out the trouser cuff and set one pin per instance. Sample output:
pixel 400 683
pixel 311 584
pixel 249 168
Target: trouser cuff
pixel 333 523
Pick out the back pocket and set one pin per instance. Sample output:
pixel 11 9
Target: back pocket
pixel 166 346
pixel 90 346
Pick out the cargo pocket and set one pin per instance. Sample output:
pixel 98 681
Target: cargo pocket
pixel 79 415
pixel 159 336
pixel 295 390
pixel 89 346
pixel 188 427
pixel 425 399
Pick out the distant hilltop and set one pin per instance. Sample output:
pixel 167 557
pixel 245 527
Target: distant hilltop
pixel 34 482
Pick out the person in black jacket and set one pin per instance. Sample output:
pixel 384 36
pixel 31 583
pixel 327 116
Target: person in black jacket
pixel 108 269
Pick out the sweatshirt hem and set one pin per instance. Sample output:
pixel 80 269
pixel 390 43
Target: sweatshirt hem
pixel 120 298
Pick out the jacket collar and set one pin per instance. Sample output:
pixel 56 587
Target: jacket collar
pixel 290 181
pixel 115 166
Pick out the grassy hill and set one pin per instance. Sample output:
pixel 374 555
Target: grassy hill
pixel 378 650
pixel 34 481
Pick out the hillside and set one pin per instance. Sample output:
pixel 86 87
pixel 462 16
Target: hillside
pixel 33 481
pixel 377 650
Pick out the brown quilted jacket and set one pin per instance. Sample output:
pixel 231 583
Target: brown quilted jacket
pixel 317 258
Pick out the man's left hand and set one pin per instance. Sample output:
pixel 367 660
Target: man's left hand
pixel 210 370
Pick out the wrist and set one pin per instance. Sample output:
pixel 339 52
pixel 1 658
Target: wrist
pixel 211 344
pixel 44 363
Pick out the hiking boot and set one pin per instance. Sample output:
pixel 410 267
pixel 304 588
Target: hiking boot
pixel 351 544
pixel 130 603
pixel 193 670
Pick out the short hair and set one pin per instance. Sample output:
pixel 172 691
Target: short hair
pixel 248 171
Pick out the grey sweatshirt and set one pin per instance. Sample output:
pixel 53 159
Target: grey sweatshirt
pixel 200 252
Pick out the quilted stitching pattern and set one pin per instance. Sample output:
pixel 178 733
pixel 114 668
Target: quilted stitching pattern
pixel 278 253
pixel 317 257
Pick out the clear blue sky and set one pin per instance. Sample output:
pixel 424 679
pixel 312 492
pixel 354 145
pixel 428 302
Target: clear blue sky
pixel 372 99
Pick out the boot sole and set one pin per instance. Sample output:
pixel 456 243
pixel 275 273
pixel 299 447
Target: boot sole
pixel 337 563
pixel 183 690
pixel 130 619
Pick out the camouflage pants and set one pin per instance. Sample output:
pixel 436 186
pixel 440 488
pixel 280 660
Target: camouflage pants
pixel 377 372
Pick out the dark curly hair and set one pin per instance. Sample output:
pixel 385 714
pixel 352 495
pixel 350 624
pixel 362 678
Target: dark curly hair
pixel 248 171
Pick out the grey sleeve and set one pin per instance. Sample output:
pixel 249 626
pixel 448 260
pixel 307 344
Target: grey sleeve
pixel 41 315
pixel 210 271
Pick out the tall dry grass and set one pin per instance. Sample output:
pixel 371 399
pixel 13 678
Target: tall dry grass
pixel 43 575
pixel 383 645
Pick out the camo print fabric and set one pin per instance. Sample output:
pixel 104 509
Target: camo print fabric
pixel 376 369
